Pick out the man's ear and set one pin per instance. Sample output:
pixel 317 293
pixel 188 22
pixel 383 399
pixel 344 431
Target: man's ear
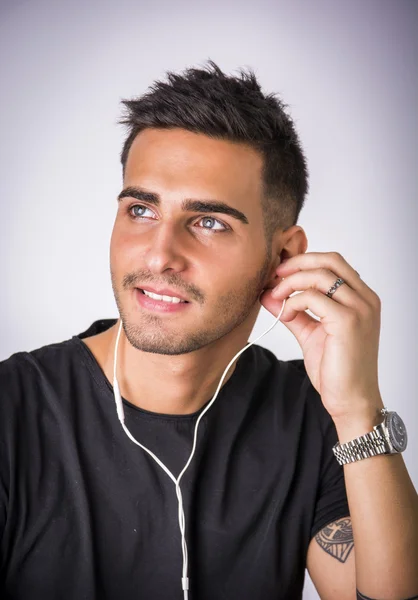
pixel 285 244
pixel 273 278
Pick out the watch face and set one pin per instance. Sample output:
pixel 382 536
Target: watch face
pixel 397 432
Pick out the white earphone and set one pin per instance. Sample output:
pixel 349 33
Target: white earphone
pixel 121 415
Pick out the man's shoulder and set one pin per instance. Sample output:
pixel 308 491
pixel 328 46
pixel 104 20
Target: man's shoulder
pixel 27 362
pixel 293 366
pixel 292 383
pixel 297 364
pixel 29 365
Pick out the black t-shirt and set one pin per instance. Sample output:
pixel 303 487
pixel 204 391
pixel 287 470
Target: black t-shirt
pixel 86 514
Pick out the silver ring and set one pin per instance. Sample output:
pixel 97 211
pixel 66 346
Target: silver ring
pixel 336 285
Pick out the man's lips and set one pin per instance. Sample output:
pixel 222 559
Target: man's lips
pixel 163 292
pixel 159 306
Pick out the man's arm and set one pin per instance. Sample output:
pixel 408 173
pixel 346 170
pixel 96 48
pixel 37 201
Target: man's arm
pixel 331 561
pixel 383 508
pixel 335 542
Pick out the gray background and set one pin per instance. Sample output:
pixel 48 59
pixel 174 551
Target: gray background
pixel 348 72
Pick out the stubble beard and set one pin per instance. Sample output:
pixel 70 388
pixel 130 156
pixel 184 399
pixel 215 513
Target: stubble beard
pixel 155 336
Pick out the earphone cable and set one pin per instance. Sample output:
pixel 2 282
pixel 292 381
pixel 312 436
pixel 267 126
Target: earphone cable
pixel 121 415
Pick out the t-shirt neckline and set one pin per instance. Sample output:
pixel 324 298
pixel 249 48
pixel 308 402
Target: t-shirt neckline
pixel 105 385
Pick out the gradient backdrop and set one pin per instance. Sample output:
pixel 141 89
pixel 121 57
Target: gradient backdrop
pixel 348 73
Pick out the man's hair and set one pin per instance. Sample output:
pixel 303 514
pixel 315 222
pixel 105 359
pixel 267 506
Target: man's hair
pixel 230 108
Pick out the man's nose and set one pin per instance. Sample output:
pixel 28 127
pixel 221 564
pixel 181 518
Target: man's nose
pixel 166 249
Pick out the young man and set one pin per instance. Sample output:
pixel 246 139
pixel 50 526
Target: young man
pixel 214 179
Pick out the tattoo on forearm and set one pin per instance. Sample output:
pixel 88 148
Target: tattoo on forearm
pixel 362 597
pixel 337 539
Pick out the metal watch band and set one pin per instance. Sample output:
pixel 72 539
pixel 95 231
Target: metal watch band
pixel 364 446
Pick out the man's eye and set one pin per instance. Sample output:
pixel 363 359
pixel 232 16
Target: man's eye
pixel 212 220
pixel 134 213
pixel 137 212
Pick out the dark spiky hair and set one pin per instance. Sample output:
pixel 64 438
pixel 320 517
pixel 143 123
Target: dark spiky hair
pixel 230 108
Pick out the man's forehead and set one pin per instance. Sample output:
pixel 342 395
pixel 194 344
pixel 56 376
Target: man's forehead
pixel 175 156
pixel 178 143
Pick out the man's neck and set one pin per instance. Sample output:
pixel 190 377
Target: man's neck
pixel 162 383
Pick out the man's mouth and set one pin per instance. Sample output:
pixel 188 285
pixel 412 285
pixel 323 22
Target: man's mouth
pixel 163 297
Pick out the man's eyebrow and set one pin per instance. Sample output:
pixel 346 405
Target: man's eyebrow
pixel 190 204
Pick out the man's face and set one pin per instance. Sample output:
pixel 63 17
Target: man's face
pixel 214 260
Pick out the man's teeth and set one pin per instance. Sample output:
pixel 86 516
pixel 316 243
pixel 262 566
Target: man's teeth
pixel 172 299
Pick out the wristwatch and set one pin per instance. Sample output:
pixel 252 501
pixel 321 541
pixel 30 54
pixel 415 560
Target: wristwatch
pixel 389 437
